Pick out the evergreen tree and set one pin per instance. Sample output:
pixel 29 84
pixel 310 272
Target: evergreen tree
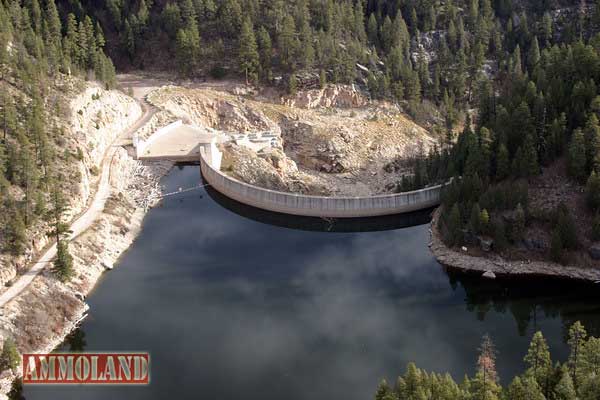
pixel 538 361
pixel 592 191
pixel 373 30
pixel 9 358
pixel 565 390
pixel 16 237
pixel 265 48
pixel 288 44
pixel 592 143
pixel 577 156
pixel 484 221
pixel 576 341
pixel 525 389
pixel 63 264
pixel 455 226
pixel 502 163
pixel 475 218
pixel 230 17
pixel 518 226
pixel 248 52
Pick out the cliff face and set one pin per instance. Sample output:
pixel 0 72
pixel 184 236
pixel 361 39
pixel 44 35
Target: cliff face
pixel 97 117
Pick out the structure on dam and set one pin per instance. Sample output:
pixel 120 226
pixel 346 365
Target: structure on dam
pixel 184 143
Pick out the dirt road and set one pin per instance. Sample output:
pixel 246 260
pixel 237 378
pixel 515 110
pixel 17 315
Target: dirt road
pixel 87 218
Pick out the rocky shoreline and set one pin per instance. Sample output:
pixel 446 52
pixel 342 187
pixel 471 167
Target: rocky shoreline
pixel 496 266
pixel 48 311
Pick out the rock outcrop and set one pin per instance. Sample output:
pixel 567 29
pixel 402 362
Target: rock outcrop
pixel 494 264
pixel 270 169
pixel 340 96
pixel 212 109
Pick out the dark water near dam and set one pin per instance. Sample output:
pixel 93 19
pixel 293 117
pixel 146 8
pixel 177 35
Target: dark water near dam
pixel 258 306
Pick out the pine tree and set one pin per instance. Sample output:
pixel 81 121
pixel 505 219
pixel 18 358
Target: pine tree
pixel 475 219
pixel 359 23
pixel 592 143
pixel 53 26
pixel 518 227
pixel 230 17
pixel 564 389
pixel 576 341
pixel 454 226
pixel 525 388
pixel 590 360
pixel 592 191
pixel 538 361
pixel 265 48
pixel 534 56
pixel 373 30
pixel 502 163
pixel 307 52
pixel 577 156
pixel 248 52
pixel 16 237
pixel 58 208
pixel 63 264
pixel 9 358
pixel 566 227
pixel 288 44
pixel 292 86
pixel 485 386
pixel 484 221
pixel 9 117
pixel 531 166
pixel 383 390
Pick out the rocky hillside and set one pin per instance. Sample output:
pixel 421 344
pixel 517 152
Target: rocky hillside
pixel 89 121
pixel 331 141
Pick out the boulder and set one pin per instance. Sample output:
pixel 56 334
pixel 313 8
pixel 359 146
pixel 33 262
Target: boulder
pixel 489 275
pixel 594 251
pixel 485 243
pixel 534 244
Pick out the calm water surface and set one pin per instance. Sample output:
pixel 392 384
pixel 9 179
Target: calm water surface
pixel 232 308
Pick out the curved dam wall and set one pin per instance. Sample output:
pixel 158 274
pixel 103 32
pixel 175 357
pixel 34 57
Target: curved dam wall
pixel 315 206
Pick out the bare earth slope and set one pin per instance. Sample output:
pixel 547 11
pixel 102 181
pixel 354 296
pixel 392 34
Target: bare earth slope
pixel 332 138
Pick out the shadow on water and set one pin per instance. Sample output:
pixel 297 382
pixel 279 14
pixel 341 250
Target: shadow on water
pixel 347 225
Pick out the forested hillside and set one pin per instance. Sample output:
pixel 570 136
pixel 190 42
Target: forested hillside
pixel 41 56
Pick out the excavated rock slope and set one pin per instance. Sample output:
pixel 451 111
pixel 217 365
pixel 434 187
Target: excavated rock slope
pixel 337 141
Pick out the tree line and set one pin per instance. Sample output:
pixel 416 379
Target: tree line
pixel 38 49
pixel 576 379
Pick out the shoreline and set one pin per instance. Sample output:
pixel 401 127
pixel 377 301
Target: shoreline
pixel 134 190
pixel 500 267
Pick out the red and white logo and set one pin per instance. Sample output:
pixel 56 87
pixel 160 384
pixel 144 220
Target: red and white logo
pixel 87 368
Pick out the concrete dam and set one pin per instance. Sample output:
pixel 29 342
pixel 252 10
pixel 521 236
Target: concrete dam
pixel 183 143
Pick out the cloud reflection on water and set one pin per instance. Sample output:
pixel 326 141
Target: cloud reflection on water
pixel 230 308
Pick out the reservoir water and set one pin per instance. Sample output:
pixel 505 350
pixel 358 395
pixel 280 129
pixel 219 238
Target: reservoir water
pixel 250 306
